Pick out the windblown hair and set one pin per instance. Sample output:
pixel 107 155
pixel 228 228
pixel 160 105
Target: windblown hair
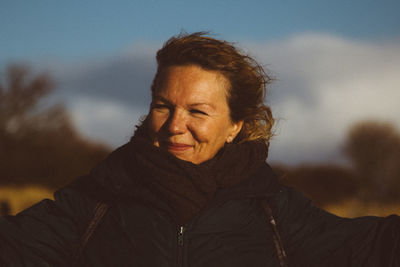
pixel 247 79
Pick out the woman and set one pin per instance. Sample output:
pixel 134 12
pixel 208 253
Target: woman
pixel 192 187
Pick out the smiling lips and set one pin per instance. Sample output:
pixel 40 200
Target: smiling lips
pixel 178 147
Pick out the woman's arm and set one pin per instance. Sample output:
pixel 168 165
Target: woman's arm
pixel 46 234
pixel 313 237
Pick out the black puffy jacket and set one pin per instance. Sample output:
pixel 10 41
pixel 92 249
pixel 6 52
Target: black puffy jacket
pixel 232 230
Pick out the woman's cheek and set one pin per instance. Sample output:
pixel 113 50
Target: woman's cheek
pixel 200 131
pixel 157 121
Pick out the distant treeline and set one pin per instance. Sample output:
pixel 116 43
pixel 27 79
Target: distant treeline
pixel 41 146
pixel 373 149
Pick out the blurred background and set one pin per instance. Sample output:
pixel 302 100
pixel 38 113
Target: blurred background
pixel 75 78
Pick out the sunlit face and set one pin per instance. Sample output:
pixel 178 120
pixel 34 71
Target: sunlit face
pixel 189 113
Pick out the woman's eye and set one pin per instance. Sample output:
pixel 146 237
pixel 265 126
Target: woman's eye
pixel 159 106
pixel 196 111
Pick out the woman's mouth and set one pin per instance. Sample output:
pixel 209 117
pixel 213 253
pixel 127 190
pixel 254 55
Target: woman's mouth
pixel 178 147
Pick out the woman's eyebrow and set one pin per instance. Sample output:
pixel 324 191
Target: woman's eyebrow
pixel 201 104
pixel 163 99
pixel 196 104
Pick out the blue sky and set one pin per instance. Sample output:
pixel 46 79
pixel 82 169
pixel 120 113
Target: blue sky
pixel 336 62
pixel 79 29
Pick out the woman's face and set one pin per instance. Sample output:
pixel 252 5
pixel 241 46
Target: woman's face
pixel 189 113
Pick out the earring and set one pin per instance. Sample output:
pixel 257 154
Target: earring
pixel 229 139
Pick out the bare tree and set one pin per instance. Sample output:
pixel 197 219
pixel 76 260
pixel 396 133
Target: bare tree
pixel 374 150
pixel 39 144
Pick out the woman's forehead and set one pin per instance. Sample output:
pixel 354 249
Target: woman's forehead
pixel 191 85
pixel 191 76
pixel 194 70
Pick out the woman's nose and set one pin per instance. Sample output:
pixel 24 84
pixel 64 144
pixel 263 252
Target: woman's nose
pixel 177 122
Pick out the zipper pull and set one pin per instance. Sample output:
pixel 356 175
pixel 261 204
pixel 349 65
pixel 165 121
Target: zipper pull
pixel 180 235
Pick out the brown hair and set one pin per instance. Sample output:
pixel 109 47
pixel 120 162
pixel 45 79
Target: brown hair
pixel 247 78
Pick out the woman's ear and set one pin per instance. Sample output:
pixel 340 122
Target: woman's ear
pixel 236 127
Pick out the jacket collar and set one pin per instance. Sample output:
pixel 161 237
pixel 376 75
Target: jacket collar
pixel 238 171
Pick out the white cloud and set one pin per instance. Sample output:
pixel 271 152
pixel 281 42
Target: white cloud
pixel 325 84
pixel 105 120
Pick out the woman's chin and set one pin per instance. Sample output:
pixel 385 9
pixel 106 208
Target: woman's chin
pixel 182 155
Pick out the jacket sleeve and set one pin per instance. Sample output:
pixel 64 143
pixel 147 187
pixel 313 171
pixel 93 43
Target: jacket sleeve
pixel 313 237
pixel 45 234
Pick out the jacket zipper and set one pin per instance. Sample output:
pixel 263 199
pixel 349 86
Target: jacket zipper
pixel 182 229
pixel 181 232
